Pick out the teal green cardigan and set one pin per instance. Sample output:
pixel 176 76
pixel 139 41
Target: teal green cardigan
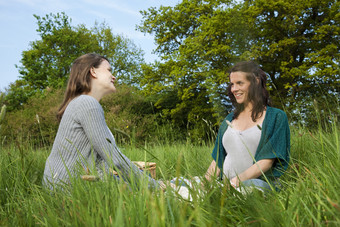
pixel 274 142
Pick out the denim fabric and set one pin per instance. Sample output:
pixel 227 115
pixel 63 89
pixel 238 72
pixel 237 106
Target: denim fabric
pixel 258 183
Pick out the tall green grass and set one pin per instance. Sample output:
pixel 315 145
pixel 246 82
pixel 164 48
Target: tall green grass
pixel 310 194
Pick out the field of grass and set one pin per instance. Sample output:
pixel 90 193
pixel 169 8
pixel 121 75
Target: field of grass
pixel 310 196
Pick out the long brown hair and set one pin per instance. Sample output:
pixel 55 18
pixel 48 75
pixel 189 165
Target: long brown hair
pixel 79 81
pixel 258 94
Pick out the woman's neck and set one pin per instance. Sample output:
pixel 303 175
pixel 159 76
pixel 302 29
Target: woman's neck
pixel 95 95
pixel 248 108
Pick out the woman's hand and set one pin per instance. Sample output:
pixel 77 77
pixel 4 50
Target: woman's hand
pixel 163 185
pixel 212 171
pixel 235 182
pixel 252 172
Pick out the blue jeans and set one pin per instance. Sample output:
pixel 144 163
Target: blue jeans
pixel 258 183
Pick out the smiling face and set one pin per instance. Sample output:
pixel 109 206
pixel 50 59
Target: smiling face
pixel 103 78
pixel 240 87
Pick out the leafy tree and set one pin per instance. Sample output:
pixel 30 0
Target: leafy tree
pixel 296 43
pixel 17 94
pixel 47 62
pixel 125 56
pixel 189 58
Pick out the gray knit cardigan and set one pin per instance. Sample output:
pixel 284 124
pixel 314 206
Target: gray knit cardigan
pixel 84 143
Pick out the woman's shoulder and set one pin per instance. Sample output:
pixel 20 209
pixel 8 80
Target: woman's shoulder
pixel 275 113
pixel 83 103
pixel 224 123
pixel 230 116
pixel 274 110
pixel 85 100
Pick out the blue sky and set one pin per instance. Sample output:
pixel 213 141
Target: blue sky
pixel 18 26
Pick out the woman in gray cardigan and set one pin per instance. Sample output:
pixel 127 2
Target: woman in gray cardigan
pixel 84 142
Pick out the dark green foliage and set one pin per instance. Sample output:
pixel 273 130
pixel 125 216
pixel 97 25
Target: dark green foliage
pixel 35 124
pixel 130 115
pixel 296 43
pixel 17 94
pixel 48 61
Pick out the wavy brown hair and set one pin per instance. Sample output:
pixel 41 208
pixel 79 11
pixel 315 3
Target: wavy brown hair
pixel 79 81
pixel 258 94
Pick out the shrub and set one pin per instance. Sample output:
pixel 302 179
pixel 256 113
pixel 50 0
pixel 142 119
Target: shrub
pixel 129 114
pixel 36 123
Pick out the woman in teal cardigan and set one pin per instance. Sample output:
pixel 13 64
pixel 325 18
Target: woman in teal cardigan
pixel 253 142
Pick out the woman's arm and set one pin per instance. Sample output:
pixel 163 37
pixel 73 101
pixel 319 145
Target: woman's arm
pixel 212 171
pixel 91 118
pixel 253 171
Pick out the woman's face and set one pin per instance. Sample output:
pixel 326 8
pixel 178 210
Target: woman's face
pixel 240 87
pixel 104 78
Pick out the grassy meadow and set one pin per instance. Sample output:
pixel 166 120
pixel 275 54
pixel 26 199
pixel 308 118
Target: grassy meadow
pixel 310 196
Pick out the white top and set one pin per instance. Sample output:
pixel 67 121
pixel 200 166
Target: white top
pixel 240 147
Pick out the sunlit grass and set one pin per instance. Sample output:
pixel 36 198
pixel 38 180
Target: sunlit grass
pixel 310 194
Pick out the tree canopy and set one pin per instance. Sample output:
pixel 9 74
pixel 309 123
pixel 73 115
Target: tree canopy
pixel 47 62
pixel 295 42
